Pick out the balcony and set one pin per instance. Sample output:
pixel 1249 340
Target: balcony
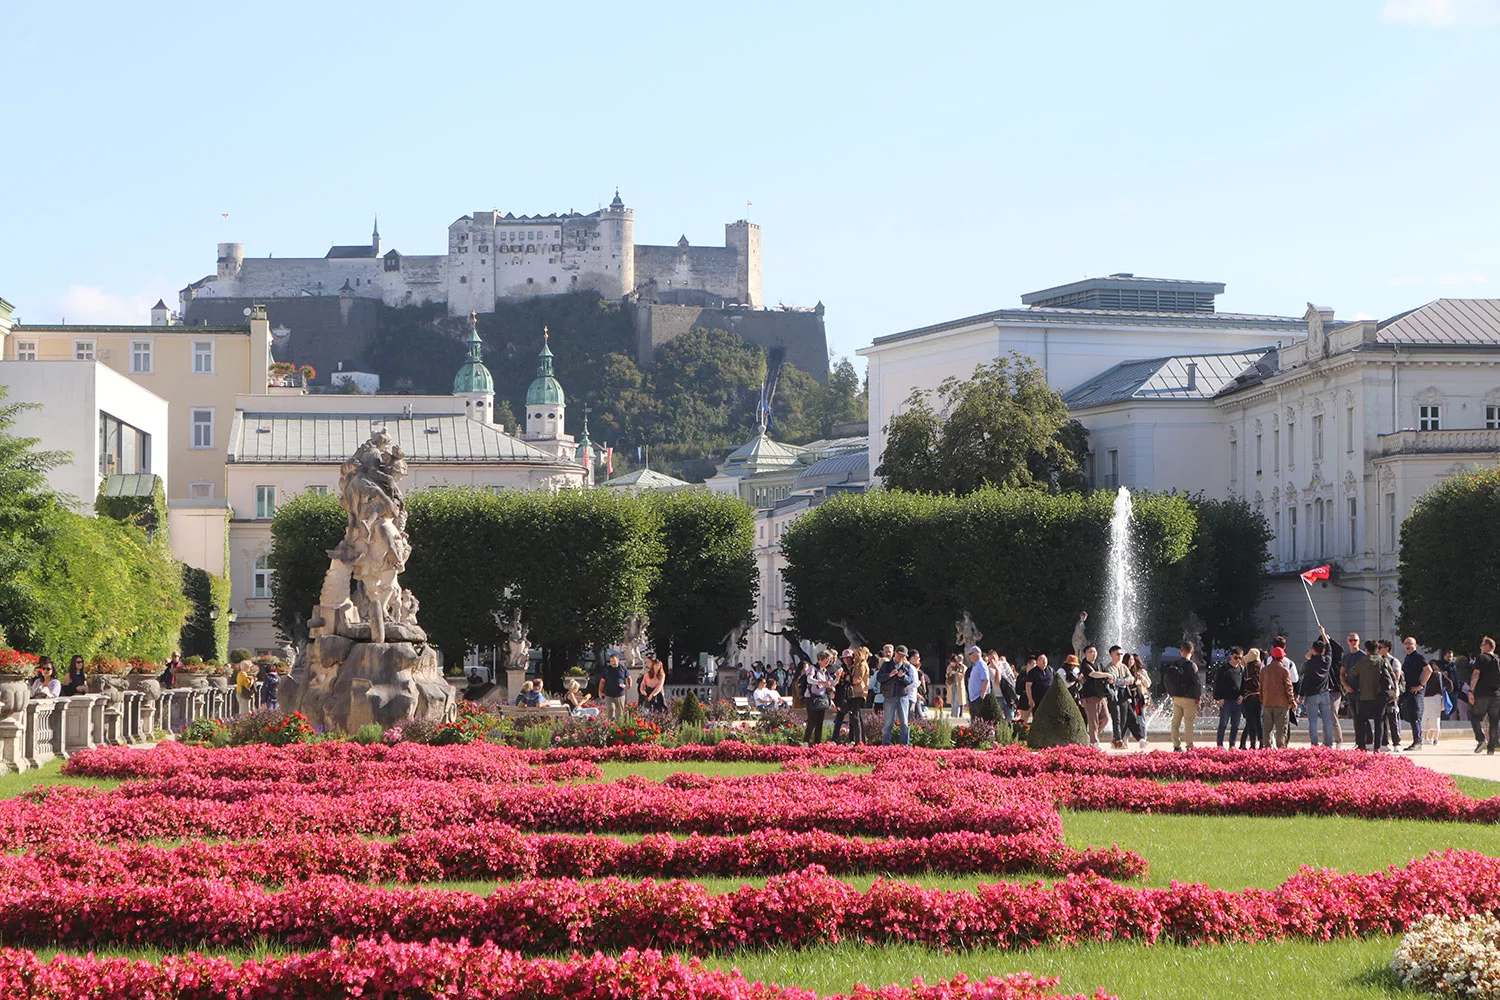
pixel 1454 442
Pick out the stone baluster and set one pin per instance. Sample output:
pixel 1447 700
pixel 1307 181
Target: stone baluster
pixel 79 710
pixel 38 740
pixel 136 728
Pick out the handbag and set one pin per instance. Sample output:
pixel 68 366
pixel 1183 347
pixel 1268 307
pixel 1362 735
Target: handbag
pixel 816 703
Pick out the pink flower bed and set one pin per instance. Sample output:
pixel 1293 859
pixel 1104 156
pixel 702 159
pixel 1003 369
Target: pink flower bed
pixel 500 851
pixel 386 970
pixel 797 910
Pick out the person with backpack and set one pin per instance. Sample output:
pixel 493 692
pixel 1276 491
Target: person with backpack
pixel 1390 686
pixel 1254 734
pixel 1185 685
pixel 897 679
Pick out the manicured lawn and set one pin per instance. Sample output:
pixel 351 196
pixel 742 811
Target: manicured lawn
pixel 1341 970
pixel 48 775
pixel 1477 788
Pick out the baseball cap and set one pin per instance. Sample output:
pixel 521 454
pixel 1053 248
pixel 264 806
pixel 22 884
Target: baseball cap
pixel 1277 652
pixel 975 650
pixel 902 650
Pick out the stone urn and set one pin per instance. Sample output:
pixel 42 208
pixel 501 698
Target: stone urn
pixel 149 683
pixel 15 692
pixel 218 682
pixel 190 679
pixel 114 685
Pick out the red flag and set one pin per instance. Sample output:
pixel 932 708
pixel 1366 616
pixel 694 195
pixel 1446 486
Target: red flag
pixel 1316 573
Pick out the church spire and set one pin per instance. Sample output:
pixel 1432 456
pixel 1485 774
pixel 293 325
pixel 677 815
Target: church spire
pixel 375 235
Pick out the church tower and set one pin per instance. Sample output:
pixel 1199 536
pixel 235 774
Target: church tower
pixel 474 382
pixel 545 404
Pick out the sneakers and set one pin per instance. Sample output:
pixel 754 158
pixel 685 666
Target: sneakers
pixel 1142 744
pixel 1414 746
pixel 1479 747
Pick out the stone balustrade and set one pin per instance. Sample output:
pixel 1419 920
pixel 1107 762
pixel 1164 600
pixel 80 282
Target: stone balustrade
pixel 45 729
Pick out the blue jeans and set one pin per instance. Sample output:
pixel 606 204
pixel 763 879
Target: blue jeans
pixel 896 709
pixel 1229 718
pixel 1319 706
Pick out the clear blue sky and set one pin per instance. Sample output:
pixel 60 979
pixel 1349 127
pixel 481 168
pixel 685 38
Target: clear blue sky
pixel 908 163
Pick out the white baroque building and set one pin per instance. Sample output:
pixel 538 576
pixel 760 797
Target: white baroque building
pixel 1333 437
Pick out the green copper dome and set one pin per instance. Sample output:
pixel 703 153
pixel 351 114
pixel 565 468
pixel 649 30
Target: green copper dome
pixel 474 376
pixel 545 390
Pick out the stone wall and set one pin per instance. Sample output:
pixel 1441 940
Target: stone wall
pixel 321 330
pixel 799 333
pixel 711 269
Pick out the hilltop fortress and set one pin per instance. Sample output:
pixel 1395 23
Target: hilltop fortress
pixel 492 256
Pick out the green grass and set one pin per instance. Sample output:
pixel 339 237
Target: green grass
pixel 1339 970
pixel 1476 788
pixel 47 776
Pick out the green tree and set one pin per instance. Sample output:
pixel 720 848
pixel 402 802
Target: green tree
pixel 26 507
pixel 1225 576
pixel 465 552
pixel 1004 427
pixel 708 580
pixel 1057 721
pixel 304 529
pixel 1449 578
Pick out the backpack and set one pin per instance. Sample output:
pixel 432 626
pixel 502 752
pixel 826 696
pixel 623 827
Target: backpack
pixel 1390 681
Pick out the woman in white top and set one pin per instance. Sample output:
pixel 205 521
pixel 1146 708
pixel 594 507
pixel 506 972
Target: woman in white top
pixel 45 684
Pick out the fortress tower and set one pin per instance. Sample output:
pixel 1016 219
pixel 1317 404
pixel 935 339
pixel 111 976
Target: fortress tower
pixel 744 238
pixel 617 237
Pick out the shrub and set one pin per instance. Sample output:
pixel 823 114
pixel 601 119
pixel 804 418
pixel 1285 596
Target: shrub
pixel 208 732
pixel 580 732
pixel 192 661
pixel 690 712
pixel 934 735
pixel 369 734
pixel 537 737
pixel 633 732
pixel 1057 721
pixel 1451 956
pixel 722 710
pixel 240 655
pixel 979 734
pixel 989 708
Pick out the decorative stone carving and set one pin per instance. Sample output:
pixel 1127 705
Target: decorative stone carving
pixel 1234 432
pixel 367 659
pixel 518 643
pixel 1080 640
pixel 967 634
pixel 633 646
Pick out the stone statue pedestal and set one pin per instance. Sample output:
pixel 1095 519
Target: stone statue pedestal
pixel 346 684
pixel 514 678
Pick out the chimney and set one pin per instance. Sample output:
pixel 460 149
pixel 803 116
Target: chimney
pixel 1192 374
pixel 260 350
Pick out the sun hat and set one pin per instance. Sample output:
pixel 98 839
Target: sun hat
pixel 1071 661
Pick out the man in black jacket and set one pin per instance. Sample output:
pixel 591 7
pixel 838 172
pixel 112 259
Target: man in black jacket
pixel 1415 670
pixel 1484 694
pixel 1317 689
pixel 1185 684
pixel 1229 694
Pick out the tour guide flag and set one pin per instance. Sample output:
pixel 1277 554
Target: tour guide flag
pixel 1315 574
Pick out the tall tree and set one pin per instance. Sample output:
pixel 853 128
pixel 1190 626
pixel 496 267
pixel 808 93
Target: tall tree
pixel 26 508
pixel 1003 427
pixel 708 580
pixel 1449 577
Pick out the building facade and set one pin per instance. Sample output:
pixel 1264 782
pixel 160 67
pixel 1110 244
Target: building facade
pixel 1073 332
pixel 491 255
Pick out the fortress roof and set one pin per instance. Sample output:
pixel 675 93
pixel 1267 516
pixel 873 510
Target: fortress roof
pixel 349 253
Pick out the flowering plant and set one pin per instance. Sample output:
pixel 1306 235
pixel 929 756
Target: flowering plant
pixel 308 372
pixel 631 732
pixel 13 661
pixel 1451 956
pixel 109 665
pixel 292 727
pixel 391 736
pixel 140 666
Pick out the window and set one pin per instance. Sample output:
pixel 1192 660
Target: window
pixel 1307 522
pixel 1291 445
pixel 1353 526
pixel 261 585
pixel 201 490
pixel 1349 430
pixel 1317 441
pixel 1322 529
pixel 1258 453
pixel 1291 523
pixel 1112 469
pixel 1492 418
pixel 123 449
pixel 1390 522
pixel 83 350
pixel 140 357
pixel 1276 524
pixel 1429 418
pixel 320 491
pixel 1276 451
pixel 25 350
pixel 203 357
pixel 203 427
pixel 1234 460
pixel 265 502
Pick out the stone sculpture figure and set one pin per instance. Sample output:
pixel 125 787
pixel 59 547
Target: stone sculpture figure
pixel 517 645
pixel 633 646
pixel 966 633
pixel 1080 640
pixel 852 638
pixel 367 659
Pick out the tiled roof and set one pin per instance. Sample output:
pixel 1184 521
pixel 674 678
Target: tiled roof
pixel 295 437
pixel 1163 378
pixel 852 467
pixel 349 253
pixel 1463 322
pixel 760 454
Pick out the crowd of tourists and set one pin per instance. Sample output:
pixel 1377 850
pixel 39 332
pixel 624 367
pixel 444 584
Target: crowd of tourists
pixel 1260 694
pixel 247 674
